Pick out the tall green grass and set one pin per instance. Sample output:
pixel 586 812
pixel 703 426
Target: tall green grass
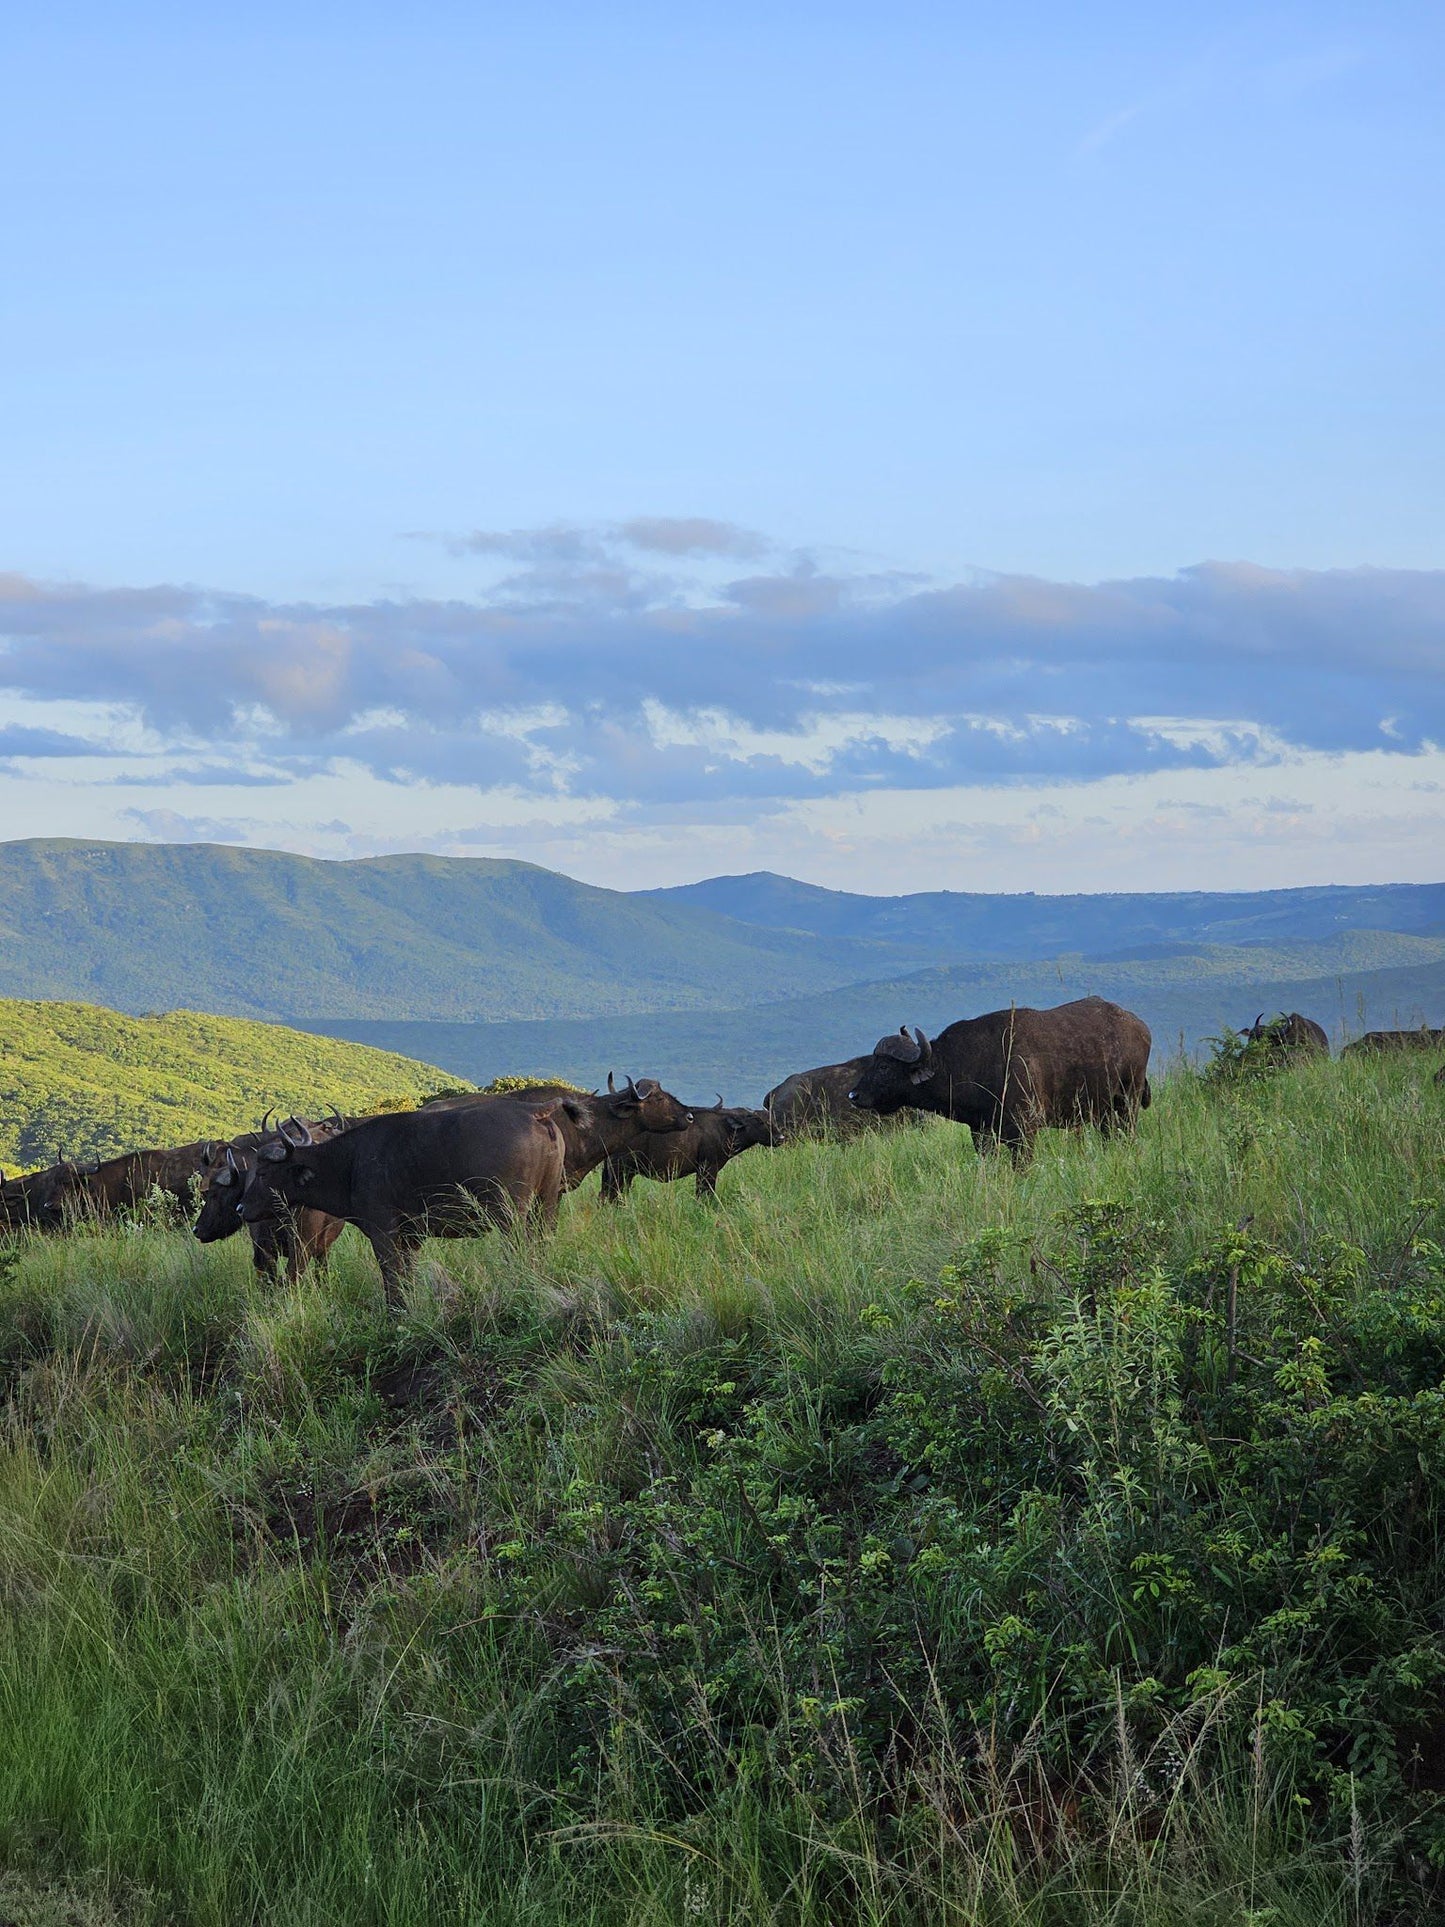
pixel 837 1553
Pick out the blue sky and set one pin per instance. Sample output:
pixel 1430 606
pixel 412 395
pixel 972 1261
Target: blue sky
pixel 930 444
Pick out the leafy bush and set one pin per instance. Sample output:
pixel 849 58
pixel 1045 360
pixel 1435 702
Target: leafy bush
pixel 514 1081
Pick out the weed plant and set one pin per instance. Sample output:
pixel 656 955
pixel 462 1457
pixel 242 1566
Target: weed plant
pixel 906 1538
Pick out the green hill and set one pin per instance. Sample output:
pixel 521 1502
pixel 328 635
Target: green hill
pixel 83 1082
pixel 259 933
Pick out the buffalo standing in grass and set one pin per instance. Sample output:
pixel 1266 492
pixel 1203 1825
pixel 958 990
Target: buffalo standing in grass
pixel 1377 1042
pixel 446 1172
pixel 1008 1074
pixel 120 1184
pixel 815 1103
pixel 288 1241
pixel 1286 1037
pixel 712 1140
pixel 41 1200
pixel 596 1126
pixel 47 1200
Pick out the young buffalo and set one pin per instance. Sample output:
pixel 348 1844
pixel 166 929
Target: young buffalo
pixel 712 1139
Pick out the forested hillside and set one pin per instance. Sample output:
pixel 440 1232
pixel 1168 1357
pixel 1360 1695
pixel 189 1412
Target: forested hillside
pixel 260 933
pixel 78 1081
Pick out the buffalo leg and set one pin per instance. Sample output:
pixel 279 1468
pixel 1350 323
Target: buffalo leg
pixel 542 1208
pixel 394 1253
pixel 265 1258
pixel 616 1182
pixel 707 1180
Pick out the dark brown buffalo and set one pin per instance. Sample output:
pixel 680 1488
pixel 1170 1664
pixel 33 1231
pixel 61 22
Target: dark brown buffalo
pixel 1284 1037
pixel 42 1200
pixel 289 1241
pixel 1007 1074
pixel 1379 1041
pixel 54 1197
pixel 815 1103
pixel 712 1139
pixel 596 1125
pixel 444 1172
pixel 120 1184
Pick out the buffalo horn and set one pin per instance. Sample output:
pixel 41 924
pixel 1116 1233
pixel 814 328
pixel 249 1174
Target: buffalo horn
pixel 925 1049
pixel 718 1106
pixel 303 1135
pixel 266 1122
pixel 611 1085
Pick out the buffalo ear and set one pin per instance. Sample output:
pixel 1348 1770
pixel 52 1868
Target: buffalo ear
pixel 274 1153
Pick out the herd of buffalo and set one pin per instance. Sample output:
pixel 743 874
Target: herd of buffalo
pixel 462 1162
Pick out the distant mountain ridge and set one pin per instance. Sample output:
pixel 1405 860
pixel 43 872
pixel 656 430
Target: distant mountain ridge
pixel 1348 984
pixel 963 923
pixel 264 934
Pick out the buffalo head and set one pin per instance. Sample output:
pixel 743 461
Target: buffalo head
pixel 742 1129
pixel 887 1080
pixel 645 1100
pixel 222 1183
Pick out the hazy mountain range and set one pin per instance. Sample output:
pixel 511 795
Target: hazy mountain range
pixel 484 966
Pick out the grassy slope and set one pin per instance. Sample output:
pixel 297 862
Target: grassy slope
pixel 80 1081
pixel 310 1618
pixel 745 1052
pixel 259 933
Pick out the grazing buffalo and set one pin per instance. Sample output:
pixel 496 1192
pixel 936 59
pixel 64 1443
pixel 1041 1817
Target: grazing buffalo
pixel 288 1241
pixel 596 1126
pixel 49 1199
pixel 1282 1038
pixel 815 1103
pixel 1375 1042
pixel 444 1172
pixel 711 1140
pixel 120 1184
pixel 42 1200
pixel 1008 1074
